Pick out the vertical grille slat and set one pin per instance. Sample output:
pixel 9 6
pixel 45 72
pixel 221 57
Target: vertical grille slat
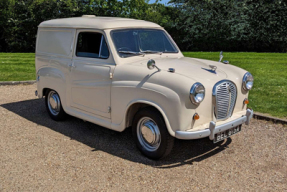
pixel 225 98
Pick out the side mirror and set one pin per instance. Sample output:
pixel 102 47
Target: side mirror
pixel 226 62
pixel 220 56
pixel 151 65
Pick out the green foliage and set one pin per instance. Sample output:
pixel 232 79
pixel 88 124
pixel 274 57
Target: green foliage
pixel 19 19
pixel 17 66
pixel 236 25
pixel 205 25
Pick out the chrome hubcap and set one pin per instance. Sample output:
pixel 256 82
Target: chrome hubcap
pixel 54 103
pixel 148 134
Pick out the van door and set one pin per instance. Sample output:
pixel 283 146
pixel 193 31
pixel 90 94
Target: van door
pixel 90 82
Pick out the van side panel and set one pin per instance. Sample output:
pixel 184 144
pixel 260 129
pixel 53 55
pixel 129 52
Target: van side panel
pixel 54 77
pixel 54 52
pixel 55 41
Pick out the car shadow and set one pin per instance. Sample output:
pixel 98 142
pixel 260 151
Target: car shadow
pixel 119 144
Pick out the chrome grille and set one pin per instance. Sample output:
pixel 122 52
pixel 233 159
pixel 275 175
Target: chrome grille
pixel 225 94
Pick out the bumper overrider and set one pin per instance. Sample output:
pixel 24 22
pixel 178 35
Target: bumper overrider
pixel 213 129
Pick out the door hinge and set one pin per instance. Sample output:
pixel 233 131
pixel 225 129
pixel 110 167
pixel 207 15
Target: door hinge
pixel 109 109
pixel 111 75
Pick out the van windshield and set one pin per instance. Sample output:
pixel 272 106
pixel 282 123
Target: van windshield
pixel 129 42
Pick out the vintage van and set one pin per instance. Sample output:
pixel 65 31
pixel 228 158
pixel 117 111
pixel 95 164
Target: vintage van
pixel 119 73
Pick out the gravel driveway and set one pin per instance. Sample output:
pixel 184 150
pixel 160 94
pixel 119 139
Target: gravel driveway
pixel 38 154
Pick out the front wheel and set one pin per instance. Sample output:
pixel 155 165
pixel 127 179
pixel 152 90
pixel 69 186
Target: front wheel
pixel 151 135
pixel 54 105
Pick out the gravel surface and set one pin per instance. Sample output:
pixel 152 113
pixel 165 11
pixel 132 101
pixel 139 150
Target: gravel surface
pixel 39 154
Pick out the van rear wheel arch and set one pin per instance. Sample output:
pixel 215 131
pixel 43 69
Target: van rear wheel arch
pixel 44 92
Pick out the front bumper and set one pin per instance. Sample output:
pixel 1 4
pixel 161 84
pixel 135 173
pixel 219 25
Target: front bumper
pixel 213 129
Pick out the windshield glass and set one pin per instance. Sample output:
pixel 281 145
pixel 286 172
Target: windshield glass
pixel 131 42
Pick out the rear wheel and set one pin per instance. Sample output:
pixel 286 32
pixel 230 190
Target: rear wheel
pixel 54 105
pixel 151 135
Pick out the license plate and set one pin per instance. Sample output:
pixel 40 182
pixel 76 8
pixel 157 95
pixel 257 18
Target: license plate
pixel 225 134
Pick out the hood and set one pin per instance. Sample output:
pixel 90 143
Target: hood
pixel 197 69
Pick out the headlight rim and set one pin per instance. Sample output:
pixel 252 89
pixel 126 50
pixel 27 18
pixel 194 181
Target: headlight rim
pixel 192 93
pixel 244 81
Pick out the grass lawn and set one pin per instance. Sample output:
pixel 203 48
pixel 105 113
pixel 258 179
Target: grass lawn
pixel 269 94
pixel 17 66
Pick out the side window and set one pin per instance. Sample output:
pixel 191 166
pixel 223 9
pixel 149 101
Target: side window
pixel 104 50
pixel 92 45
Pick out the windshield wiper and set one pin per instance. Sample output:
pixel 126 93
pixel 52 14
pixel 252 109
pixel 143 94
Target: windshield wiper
pixel 153 52
pixel 141 52
pixel 132 52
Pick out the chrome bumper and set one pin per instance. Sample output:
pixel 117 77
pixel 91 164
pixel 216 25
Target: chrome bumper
pixel 213 129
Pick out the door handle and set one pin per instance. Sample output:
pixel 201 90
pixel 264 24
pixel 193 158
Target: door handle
pixel 72 66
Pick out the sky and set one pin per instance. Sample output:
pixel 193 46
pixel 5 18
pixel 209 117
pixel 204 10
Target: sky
pixel 162 1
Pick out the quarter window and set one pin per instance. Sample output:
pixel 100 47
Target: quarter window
pixel 92 45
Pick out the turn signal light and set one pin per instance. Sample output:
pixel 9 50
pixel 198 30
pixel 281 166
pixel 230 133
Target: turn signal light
pixel 246 101
pixel 195 116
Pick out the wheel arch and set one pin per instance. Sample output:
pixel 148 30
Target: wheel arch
pixel 135 106
pixel 44 91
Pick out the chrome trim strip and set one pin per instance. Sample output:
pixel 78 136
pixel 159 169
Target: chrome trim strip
pixel 100 52
pixel 212 130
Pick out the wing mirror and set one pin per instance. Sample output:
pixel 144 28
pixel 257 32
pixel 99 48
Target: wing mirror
pixel 151 65
pixel 221 57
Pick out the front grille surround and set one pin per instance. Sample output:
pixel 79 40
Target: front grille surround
pixel 224 99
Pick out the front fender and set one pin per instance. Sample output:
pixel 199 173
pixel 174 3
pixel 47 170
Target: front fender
pixel 158 107
pixel 125 94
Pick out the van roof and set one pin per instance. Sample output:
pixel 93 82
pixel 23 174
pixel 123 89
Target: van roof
pixel 91 21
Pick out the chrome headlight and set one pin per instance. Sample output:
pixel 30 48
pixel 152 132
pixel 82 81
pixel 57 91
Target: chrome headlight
pixel 247 81
pixel 197 93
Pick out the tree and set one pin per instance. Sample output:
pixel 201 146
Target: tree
pixel 19 19
pixel 198 25
pixel 235 25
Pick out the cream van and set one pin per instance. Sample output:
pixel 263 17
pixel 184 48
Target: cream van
pixel 120 73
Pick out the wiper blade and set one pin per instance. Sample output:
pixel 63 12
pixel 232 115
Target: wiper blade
pixel 154 52
pixel 132 52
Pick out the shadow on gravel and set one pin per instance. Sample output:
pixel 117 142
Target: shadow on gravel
pixel 115 143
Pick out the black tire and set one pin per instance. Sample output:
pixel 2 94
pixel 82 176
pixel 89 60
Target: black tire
pixel 161 148
pixel 58 114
